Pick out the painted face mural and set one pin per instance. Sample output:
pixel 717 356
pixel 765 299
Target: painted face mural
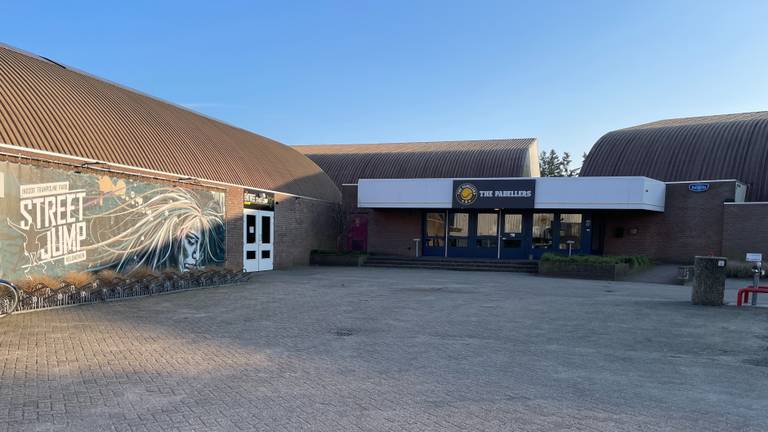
pixel 59 221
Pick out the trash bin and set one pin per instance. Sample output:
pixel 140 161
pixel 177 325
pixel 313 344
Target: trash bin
pixel 708 281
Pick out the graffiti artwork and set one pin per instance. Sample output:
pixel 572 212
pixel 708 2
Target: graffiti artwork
pixel 54 221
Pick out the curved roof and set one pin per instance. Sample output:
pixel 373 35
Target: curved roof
pixel 47 106
pixel 731 146
pixel 347 163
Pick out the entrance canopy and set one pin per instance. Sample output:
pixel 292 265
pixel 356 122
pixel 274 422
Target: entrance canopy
pixel 610 193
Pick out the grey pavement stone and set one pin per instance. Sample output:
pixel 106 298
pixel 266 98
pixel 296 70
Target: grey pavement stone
pixel 390 349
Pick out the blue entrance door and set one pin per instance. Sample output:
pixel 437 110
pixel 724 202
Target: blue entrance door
pixel 485 234
pixel 543 233
pixel 473 234
pixel 458 234
pixel 515 235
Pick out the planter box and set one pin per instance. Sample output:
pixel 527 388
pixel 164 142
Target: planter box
pixel 584 270
pixel 337 260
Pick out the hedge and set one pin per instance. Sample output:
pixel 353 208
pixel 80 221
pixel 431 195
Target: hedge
pixel 634 261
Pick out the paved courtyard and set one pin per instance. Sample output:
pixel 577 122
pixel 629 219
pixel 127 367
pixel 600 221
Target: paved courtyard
pixel 342 349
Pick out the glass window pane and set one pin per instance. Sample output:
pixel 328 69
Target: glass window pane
pixel 459 225
pixel 250 226
pixel 266 233
pixel 487 224
pixel 487 242
pixel 435 225
pixel 513 224
pixel 570 231
pixel 542 230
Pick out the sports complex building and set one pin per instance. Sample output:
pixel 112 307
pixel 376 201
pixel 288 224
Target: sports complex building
pixel 97 176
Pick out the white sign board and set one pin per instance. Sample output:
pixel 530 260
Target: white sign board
pixel 754 257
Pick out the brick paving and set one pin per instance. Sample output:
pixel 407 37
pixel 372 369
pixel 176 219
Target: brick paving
pixel 388 349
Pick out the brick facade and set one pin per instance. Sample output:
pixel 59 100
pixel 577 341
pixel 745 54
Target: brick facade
pixel 690 225
pixel 233 208
pixel 745 229
pixel 391 231
pixel 302 225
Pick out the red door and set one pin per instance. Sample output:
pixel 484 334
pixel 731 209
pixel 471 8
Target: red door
pixel 357 237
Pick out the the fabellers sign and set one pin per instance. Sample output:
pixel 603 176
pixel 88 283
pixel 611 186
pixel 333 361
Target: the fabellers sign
pixel 491 194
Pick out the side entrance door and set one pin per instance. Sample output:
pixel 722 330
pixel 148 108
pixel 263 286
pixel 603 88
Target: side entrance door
pixel 266 229
pixel 250 241
pixel 258 244
pixel 515 233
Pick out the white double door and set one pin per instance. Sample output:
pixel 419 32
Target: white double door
pixel 258 240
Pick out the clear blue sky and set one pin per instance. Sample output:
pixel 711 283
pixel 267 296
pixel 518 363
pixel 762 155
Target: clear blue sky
pixel 378 71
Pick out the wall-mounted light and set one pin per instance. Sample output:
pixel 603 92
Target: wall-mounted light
pixel 86 165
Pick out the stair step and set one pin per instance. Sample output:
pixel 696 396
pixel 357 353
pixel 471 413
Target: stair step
pixel 527 269
pixel 462 263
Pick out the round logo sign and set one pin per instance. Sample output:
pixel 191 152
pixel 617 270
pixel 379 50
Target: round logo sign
pixel 466 194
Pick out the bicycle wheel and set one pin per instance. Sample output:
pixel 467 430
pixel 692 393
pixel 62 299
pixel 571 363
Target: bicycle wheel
pixel 9 298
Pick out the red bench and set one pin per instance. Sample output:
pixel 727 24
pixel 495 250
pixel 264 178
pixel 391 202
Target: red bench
pixel 742 296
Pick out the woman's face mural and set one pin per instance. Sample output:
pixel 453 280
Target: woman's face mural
pixel 167 227
pixel 190 251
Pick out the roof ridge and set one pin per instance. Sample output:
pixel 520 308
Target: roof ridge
pixel 705 119
pixel 396 143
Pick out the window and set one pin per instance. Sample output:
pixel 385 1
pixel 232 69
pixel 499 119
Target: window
pixel 542 230
pixel 250 226
pixel 570 231
pixel 458 230
pixel 513 225
pixel 435 229
pixel 266 233
pixel 487 230
pixel 512 231
pixel 487 224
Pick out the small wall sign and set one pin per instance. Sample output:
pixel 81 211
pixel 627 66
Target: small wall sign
pixel 754 257
pixel 257 200
pixel 698 187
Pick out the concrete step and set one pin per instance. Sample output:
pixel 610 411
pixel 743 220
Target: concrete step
pixel 467 264
pixel 518 269
pixel 483 261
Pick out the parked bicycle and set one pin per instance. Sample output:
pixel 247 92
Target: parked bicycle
pixel 9 298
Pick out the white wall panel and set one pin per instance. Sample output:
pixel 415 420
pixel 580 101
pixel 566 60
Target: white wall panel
pixel 630 193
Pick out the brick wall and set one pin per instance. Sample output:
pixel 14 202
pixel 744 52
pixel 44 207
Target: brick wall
pixel 302 225
pixel 692 224
pixel 391 231
pixel 234 215
pixel 745 229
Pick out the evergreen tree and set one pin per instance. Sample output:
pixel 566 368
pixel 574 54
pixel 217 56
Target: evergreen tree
pixel 550 164
pixel 565 163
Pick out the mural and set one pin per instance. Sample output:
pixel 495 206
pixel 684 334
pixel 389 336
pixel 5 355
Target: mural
pixel 54 221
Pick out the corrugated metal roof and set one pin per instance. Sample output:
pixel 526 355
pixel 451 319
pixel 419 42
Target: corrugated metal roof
pixel 346 163
pixel 46 106
pixel 731 146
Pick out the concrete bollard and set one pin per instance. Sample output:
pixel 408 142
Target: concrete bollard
pixel 708 281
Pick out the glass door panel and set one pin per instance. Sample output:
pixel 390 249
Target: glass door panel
pixel 515 235
pixel 458 234
pixel 542 235
pixel 434 234
pixel 570 233
pixel 487 231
